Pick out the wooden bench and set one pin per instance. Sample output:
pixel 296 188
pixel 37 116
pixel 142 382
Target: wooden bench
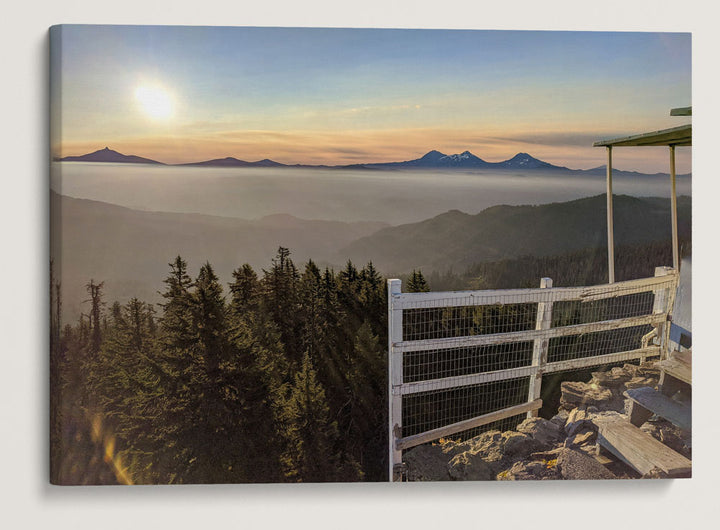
pixel 641 451
pixel 646 401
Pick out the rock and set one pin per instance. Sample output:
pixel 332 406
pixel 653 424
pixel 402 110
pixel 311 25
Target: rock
pixel 469 466
pixel 604 415
pixel 575 465
pixel 575 394
pixel 426 462
pixel 544 431
pixel 576 420
pixel 655 473
pixel 674 437
pixel 630 369
pixel 648 369
pixel 560 418
pixel 616 377
pixel 451 448
pixel 487 445
pixel 640 382
pixel 531 470
pixel 516 443
pixel 585 437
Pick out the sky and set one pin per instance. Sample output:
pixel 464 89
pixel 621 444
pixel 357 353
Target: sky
pixel 339 96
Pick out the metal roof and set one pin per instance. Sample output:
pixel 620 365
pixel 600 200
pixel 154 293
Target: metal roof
pixel 681 135
pixel 681 111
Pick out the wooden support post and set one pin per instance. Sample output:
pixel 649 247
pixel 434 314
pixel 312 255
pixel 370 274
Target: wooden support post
pixel 673 199
pixel 540 346
pixel 660 305
pixel 395 377
pixel 610 239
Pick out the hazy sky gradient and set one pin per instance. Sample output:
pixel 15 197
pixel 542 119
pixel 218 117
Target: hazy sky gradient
pixel 338 96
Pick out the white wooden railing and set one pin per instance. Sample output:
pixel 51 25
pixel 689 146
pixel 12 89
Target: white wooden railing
pixel 537 330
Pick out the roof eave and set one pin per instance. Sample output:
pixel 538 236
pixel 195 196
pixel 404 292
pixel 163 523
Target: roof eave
pixel 679 136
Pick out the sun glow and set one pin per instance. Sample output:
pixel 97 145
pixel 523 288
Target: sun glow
pixel 155 101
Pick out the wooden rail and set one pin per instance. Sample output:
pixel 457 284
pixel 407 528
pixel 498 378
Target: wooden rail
pixel 663 286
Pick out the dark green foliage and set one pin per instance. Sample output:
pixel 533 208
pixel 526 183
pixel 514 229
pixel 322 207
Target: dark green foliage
pixel 459 240
pixel 416 283
pixel 245 289
pixel 280 298
pixel 313 452
pixel 95 292
pixel 286 379
pixel 582 267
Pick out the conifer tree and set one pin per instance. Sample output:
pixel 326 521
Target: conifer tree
pixel 244 289
pixel 280 299
pixel 312 437
pixel 95 292
pixel 124 380
pixel 417 283
pixel 368 394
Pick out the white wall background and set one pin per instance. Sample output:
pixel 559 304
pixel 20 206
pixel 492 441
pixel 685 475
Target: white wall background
pixel 27 501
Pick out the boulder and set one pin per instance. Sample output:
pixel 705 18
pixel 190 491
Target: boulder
pixel 531 470
pixel 576 420
pixel 575 394
pixel 586 436
pixel 487 445
pixel 470 466
pixel 614 378
pixel 574 465
pixel 648 369
pixel 516 443
pixel 674 437
pixel 426 462
pixel 560 418
pixel 544 431
pixel 640 382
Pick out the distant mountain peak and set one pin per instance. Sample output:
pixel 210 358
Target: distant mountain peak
pixel 108 155
pixel 526 161
pixel 465 155
pixel 432 155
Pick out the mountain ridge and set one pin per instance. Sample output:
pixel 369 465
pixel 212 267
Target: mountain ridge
pixel 432 160
pixel 456 239
pixel 108 155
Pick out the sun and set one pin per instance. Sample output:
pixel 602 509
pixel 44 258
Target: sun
pixel 155 101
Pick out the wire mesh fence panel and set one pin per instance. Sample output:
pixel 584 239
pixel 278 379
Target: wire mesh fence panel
pixel 573 312
pixel 426 411
pixel 594 344
pixel 451 362
pixel 462 363
pixel 450 322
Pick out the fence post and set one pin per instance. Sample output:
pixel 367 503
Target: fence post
pixel 661 305
pixel 395 377
pixel 540 346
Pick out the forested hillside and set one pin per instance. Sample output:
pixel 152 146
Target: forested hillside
pixel 459 240
pixel 129 248
pixel 280 377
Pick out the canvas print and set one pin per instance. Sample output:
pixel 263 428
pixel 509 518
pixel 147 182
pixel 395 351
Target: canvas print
pixel 341 255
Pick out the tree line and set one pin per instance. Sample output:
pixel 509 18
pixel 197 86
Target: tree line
pixel 281 377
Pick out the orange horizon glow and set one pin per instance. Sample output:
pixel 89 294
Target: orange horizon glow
pixel 313 148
